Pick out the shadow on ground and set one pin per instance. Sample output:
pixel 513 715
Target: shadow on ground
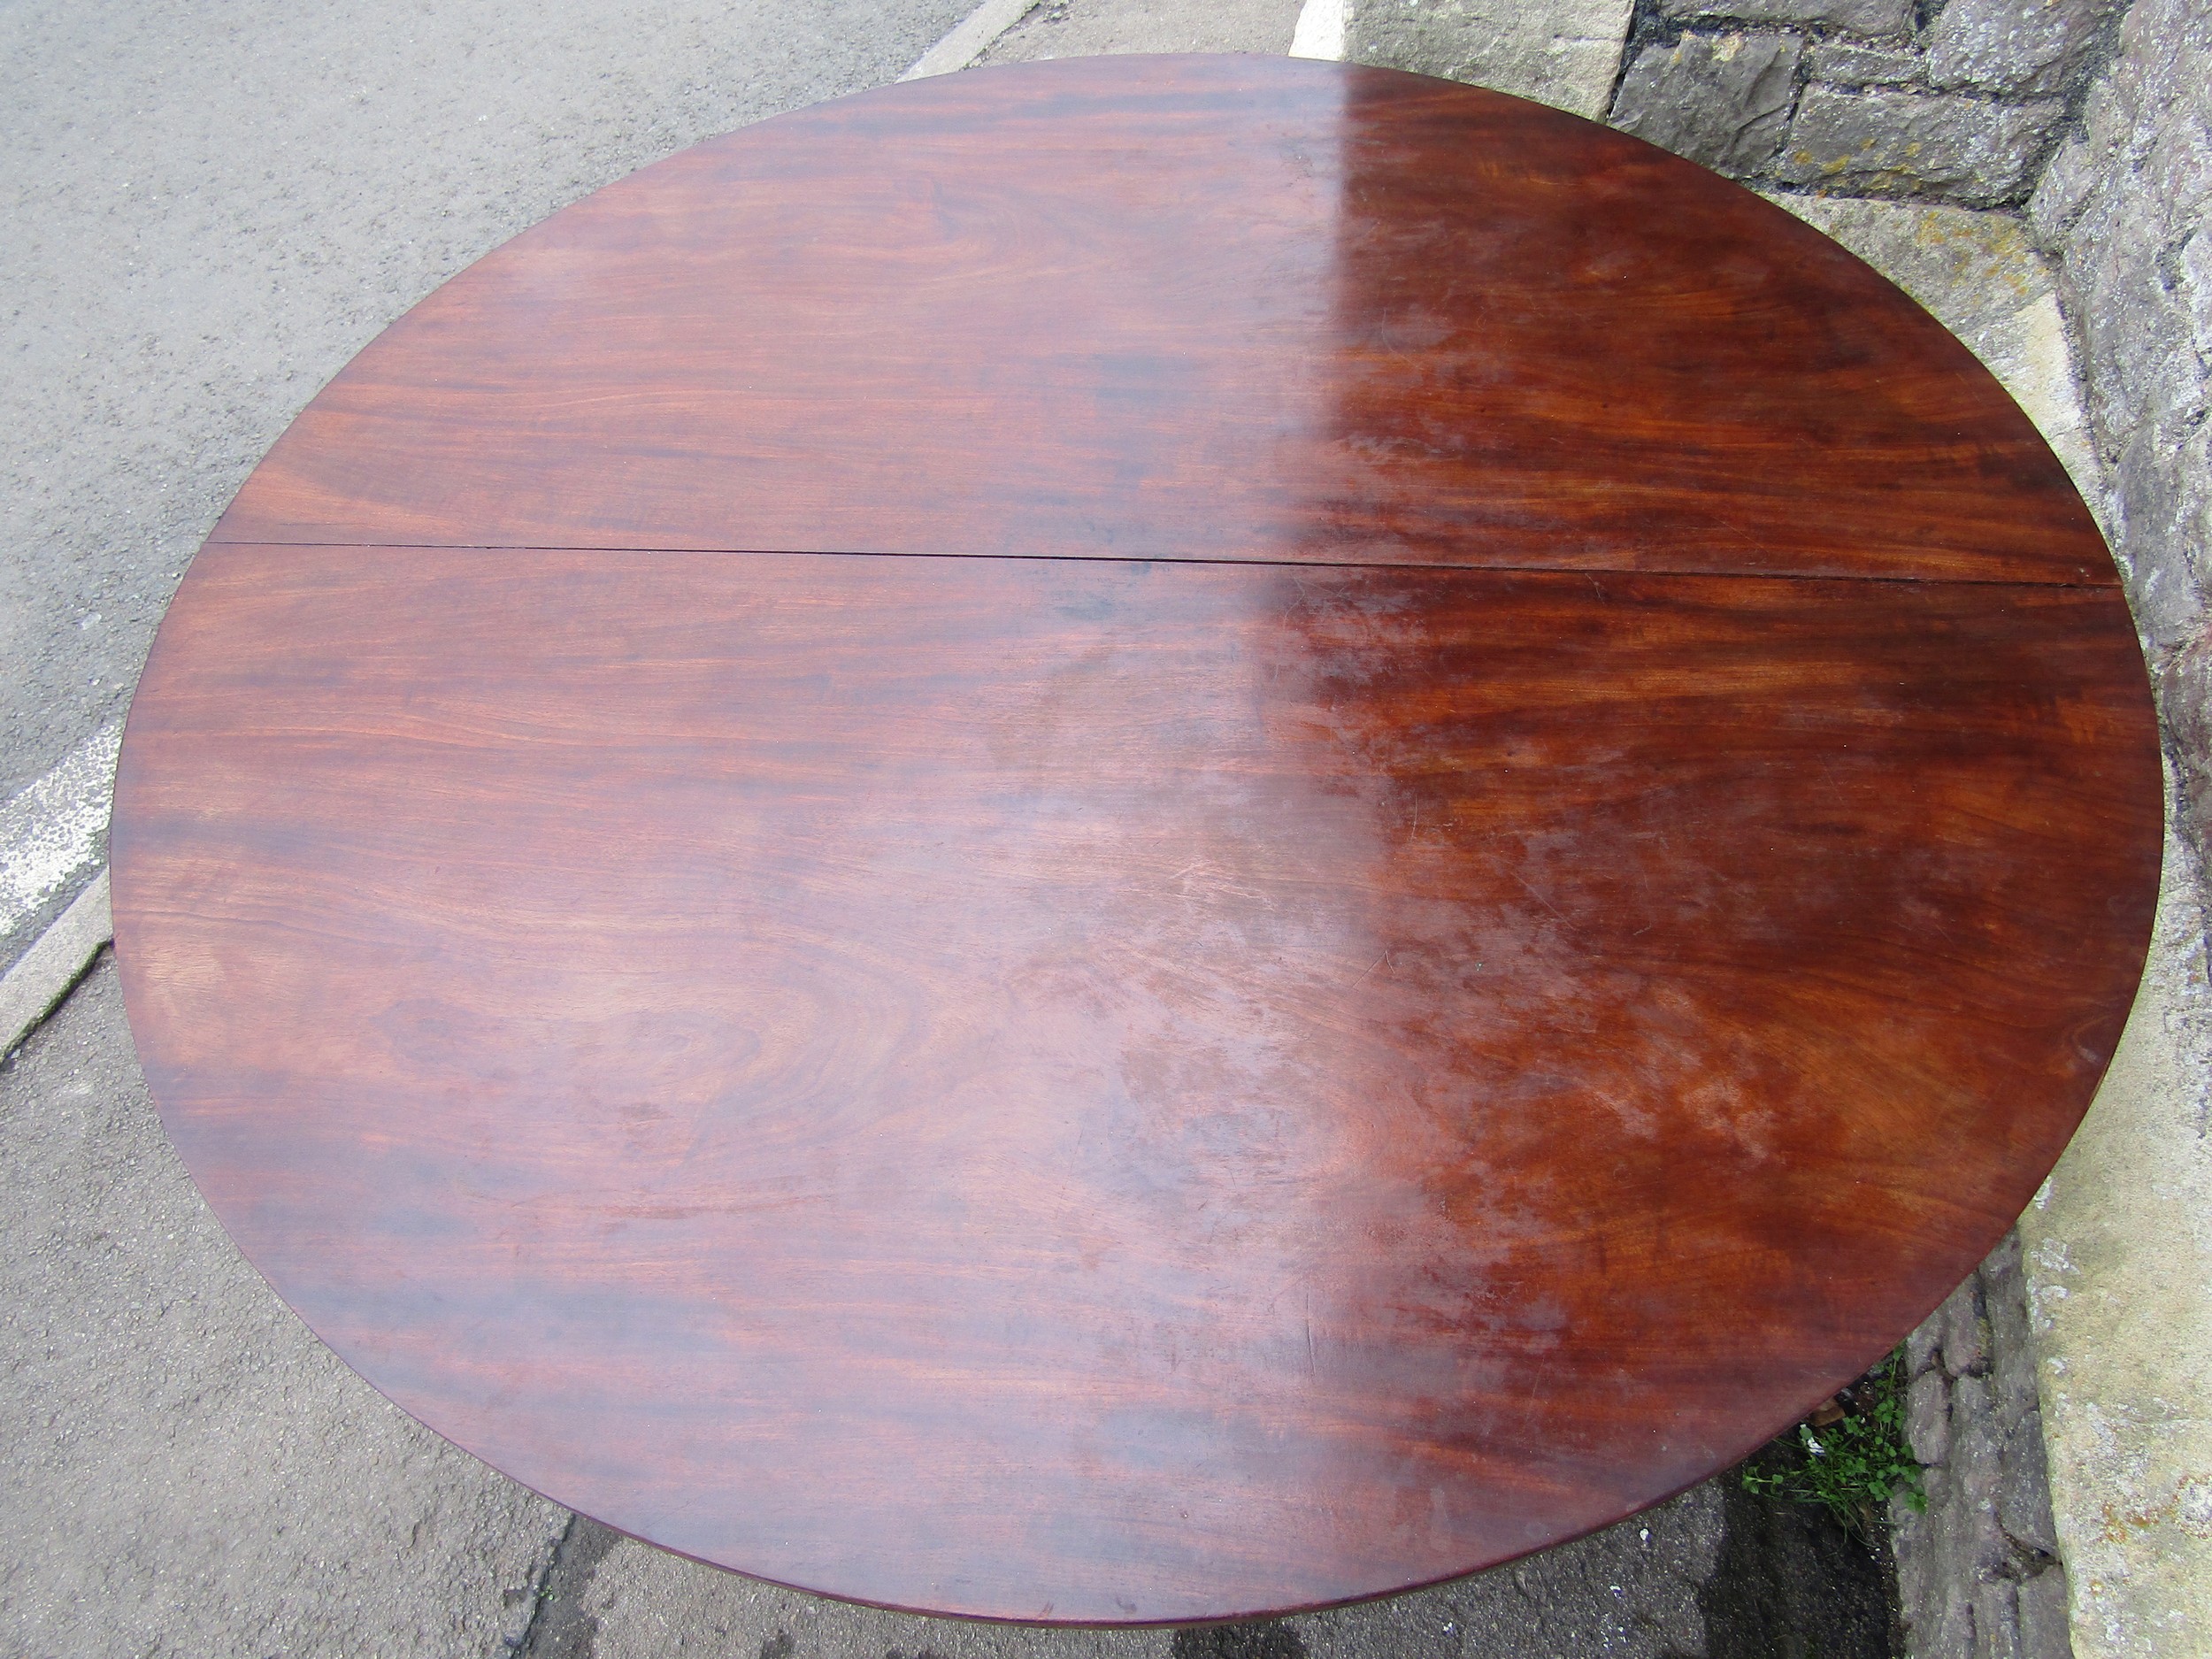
pixel 1791 1583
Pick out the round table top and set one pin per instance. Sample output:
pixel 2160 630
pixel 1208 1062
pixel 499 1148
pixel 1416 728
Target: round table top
pixel 1138 840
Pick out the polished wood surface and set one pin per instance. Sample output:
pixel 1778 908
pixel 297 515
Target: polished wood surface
pixel 1535 933
pixel 1227 308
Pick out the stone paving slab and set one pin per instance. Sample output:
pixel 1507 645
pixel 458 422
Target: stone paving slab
pixel 2118 1249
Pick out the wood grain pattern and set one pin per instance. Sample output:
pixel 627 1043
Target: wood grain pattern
pixel 1235 308
pixel 1112 1091
pixel 1515 815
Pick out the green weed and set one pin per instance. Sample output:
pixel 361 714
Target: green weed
pixel 1851 1467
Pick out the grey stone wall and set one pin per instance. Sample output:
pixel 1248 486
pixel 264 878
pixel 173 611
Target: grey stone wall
pixel 1978 1571
pixel 1962 101
pixel 2123 206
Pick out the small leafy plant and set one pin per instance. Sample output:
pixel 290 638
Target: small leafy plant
pixel 1850 1457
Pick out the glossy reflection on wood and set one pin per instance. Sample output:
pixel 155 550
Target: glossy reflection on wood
pixel 1207 307
pixel 1086 1090
pixel 1533 929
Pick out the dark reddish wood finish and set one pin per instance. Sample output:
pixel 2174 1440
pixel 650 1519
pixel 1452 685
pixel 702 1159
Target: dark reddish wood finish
pixel 1218 308
pixel 1107 1089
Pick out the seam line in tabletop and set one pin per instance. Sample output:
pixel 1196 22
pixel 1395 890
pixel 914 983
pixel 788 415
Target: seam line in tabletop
pixel 2084 584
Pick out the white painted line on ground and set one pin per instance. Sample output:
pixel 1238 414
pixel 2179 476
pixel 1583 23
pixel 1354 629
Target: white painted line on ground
pixel 34 987
pixel 968 39
pixel 1320 31
pixel 50 832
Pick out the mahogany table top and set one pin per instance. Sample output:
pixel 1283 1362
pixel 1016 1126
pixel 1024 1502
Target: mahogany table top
pixel 1138 839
